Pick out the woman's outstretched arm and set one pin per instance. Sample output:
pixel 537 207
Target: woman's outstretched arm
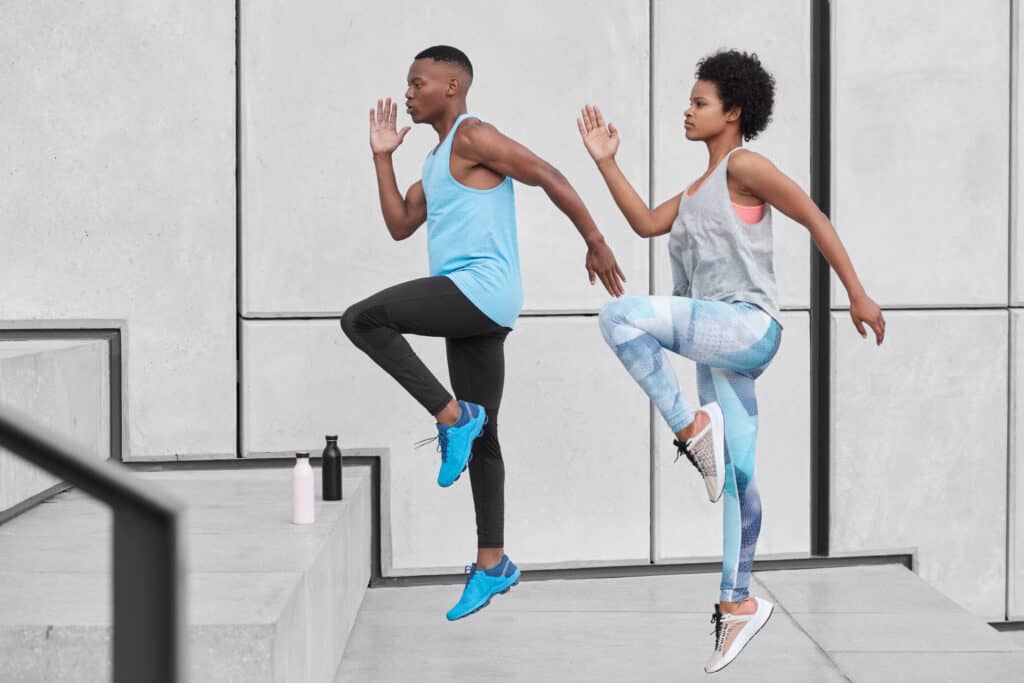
pixel 602 141
pixel 762 179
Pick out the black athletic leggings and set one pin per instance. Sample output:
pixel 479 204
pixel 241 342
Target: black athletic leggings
pixel 435 307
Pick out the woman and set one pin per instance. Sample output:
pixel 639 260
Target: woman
pixel 723 312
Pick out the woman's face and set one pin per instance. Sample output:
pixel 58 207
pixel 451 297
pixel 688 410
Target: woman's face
pixel 705 118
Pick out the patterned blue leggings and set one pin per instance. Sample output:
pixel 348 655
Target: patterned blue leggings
pixel 732 344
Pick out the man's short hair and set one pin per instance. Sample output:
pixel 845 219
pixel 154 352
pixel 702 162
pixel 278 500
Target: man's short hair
pixel 449 55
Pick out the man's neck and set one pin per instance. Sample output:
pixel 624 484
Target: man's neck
pixel 444 125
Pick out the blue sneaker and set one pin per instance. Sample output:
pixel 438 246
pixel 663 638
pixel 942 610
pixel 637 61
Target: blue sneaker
pixel 482 585
pixel 456 442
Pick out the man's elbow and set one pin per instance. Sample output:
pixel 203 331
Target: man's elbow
pixel 400 233
pixel 550 178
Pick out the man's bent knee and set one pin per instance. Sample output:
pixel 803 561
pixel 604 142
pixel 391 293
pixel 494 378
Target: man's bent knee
pixel 350 320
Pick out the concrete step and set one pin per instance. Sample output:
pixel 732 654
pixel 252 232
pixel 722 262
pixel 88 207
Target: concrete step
pixel 863 624
pixel 65 386
pixel 265 600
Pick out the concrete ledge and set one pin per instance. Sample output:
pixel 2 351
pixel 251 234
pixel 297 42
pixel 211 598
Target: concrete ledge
pixel 266 600
pixel 65 385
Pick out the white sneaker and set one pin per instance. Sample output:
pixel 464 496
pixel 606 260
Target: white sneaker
pixel 734 631
pixel 706 451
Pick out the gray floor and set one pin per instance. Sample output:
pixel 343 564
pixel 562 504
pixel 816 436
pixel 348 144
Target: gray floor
pixel 853 624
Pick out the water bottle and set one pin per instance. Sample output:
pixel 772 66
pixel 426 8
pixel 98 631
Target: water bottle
pixel 302 490
pixel 331 470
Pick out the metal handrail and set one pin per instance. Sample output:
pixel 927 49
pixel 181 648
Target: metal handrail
pixel 148 579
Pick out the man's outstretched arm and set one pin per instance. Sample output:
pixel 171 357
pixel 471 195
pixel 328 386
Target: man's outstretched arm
pixel 402 215
pixel 482 143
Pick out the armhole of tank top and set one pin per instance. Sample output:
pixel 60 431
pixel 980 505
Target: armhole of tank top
pixel 448 166
pixel 732 204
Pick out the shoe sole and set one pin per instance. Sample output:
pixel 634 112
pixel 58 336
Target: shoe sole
pixel 470 458
pixel 492 596
pixel 771 611
pixel 718 440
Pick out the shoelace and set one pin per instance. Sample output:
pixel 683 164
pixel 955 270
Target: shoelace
pixel 683 449
pixel 719 632
pixel 471 573
pixel 442 443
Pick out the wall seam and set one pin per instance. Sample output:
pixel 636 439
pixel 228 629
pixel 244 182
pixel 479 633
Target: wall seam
pixel 239 445
pixel 1011 384
pixel 651 416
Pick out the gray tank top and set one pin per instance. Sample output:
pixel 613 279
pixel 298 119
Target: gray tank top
pixel 716 256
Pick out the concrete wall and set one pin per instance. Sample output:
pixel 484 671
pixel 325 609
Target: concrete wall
pixel 921 197
pixel 65 387
pixel 574 494
pixel 118 202
pixel 314 240
pixel 778 31
pixel 686 526
pixel 118 128
pixel 920 191
pixel 919 447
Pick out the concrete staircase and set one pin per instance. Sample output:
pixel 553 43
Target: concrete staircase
pixel 265 600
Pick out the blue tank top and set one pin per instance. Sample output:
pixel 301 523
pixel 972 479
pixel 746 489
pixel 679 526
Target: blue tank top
pixel 471 236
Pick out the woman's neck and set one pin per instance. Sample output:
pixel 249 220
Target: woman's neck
pixel 720 146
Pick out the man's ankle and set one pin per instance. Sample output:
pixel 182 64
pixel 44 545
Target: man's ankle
pixel 488 558
pixel 450 414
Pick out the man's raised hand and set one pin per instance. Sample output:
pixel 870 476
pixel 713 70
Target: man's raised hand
pixel 384 137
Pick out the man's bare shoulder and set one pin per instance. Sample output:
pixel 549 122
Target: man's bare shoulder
pixel 474 133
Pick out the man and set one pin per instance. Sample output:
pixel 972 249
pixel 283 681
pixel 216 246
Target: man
pixel 474 294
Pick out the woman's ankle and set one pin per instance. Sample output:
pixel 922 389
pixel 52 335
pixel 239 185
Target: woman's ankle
pixel 745 606
pixel 700 421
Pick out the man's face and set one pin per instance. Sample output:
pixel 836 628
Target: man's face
pixel 430 85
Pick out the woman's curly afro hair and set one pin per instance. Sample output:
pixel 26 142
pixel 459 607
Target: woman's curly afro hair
pixel 742 82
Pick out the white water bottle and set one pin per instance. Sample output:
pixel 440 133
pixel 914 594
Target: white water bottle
pixel 302 490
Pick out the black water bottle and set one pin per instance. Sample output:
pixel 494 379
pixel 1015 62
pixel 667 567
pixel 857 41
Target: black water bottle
pixel 331 465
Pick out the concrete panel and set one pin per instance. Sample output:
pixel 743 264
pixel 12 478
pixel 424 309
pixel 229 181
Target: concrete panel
pixel 314 240
pixel 779 32
pixel 1017 188
pixel 907 164
pixel 577 448
pixel 65 387
pixel 917 423
pixel 687 525
pixel 303 379
pixel 118 203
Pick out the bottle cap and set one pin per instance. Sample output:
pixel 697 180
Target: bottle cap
pixel 332 437
pixel 302 455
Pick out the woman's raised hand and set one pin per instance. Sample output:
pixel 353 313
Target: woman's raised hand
pixel 600 140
